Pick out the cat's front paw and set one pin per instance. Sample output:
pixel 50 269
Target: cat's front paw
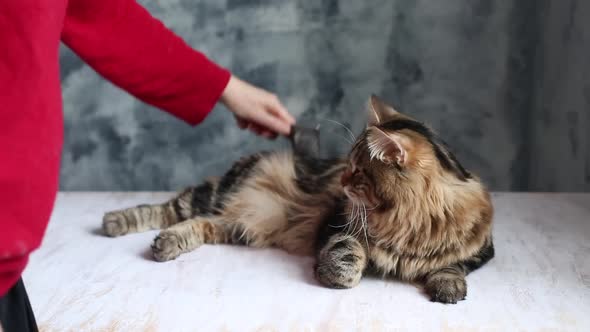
pixel 114 224
pixel 166 246
pixel 446 290
pixel 337 276
pixel 340 263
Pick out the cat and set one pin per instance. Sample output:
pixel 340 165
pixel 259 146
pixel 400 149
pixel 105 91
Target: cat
pixel 400 205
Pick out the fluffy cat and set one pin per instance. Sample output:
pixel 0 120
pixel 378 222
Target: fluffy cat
pixel 400 205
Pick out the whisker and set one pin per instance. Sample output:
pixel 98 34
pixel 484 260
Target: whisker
pixel 358 223
pixel 365 224
pixel 372 208
pixel 343 126
pixel 340 226
pixel 351 217
pixel 355 230
pixel 357 220
pixel 367 220
pixel 355 224
pixel 353 212
pixel 344 138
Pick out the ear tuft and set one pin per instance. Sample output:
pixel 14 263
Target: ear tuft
pixel 388 148
pixel 379 111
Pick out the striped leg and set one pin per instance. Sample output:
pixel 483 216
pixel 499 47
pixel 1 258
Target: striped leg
pixel 190 202
pixel 341 262
pixel 191 234
pixel 446 285
pixel 137 219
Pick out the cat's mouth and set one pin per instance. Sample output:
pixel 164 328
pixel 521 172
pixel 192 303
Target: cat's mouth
pixel 351 194
pixel 347 191
pixel 364 197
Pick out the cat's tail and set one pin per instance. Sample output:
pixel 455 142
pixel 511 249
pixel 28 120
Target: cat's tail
pixel 484 255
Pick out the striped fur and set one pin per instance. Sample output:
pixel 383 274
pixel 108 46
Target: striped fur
pixel 400 205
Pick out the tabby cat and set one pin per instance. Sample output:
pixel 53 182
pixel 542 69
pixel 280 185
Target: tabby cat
pixel 400 205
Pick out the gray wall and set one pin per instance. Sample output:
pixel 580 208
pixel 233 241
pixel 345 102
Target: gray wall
pixel 560 116
pixel 505 82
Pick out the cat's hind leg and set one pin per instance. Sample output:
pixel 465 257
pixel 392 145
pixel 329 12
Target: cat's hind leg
pixel 187 204
pixel 191 234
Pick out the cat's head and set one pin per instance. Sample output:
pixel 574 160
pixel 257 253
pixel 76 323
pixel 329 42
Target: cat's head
pixel 396 154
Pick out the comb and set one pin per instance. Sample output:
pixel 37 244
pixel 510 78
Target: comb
pixel 306 141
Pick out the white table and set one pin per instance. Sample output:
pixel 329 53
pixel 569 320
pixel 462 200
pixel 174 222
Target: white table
pixel 82 281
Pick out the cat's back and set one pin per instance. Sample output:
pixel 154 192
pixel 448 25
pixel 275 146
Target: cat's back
pixel 285 173
pixel 281 197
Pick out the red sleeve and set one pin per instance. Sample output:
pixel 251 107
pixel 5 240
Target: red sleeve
pixel 135 51
pixel 31 127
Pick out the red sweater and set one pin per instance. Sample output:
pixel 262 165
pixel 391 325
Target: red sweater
pixel 122 42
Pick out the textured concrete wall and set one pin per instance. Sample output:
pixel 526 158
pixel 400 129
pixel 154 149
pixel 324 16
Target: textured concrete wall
pixel 560 136
pixel 470 68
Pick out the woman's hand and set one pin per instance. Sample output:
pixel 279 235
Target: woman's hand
pixel 256 109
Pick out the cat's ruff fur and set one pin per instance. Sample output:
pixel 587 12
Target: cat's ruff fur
pixel 401 205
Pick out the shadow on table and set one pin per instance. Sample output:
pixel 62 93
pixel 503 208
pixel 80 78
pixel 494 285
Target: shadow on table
pixel 97 231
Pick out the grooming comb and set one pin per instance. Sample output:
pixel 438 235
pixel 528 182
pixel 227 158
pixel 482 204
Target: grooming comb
pixel 306 141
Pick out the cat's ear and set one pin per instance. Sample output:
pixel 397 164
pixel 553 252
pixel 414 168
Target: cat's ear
pixel 388 147
pixel 379 111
